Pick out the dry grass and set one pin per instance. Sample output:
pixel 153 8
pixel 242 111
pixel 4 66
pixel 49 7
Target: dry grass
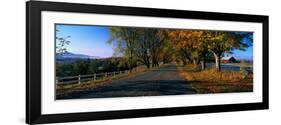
pixel 212 81
pixel 64 89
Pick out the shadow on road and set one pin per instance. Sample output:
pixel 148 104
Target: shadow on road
pixel 163 81
pixel 136 88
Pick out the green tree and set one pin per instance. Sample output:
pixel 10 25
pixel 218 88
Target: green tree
pixel 125 38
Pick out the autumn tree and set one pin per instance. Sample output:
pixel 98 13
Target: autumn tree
pixel 157 38
pixel 168 51
pixel 220 42
pixel 188 44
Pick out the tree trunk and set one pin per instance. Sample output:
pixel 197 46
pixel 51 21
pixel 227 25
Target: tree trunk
pixel 147 61
pixel 147 65
pixel 131 61
pixel 154 62
pixel 218 61
pixel 184 62
pixel 194 62
pixel 203 64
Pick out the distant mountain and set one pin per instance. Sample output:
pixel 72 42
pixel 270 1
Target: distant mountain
pixel 69 55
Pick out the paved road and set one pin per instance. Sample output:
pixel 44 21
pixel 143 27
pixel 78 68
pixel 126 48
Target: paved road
pixel 163 81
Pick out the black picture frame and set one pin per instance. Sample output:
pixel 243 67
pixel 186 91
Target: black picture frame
pixel 33 61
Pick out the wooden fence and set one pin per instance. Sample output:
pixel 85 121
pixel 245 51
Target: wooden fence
pixel 89 77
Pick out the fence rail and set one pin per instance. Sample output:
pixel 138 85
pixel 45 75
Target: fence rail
pixel 88 77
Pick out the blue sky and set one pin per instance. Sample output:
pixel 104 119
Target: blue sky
pixel 248 54
pixel 92 41
pixel 88 40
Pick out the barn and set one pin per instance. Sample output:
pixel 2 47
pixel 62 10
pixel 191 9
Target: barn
pixel 229 59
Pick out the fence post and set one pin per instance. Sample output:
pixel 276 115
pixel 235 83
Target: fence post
pixel 57 80
pixel 79 78
pixel 105 74
pixel 95 76
pixel 114 74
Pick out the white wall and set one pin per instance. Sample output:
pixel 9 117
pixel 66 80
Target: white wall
pixel 12 68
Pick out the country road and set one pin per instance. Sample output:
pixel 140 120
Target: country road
pixel 163 81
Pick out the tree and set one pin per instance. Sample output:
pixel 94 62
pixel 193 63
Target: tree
pixel 61 44
pixel 154 39
pixel 220 42
pixel 81 67
pixel 189 45
pixel 143 46
pixel 126 38
pixel 138 44
pixel 158 38
pixel 168 52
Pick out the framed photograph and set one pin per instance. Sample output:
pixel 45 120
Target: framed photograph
pixel 95 62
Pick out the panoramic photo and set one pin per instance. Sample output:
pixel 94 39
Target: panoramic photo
pixel 110 61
